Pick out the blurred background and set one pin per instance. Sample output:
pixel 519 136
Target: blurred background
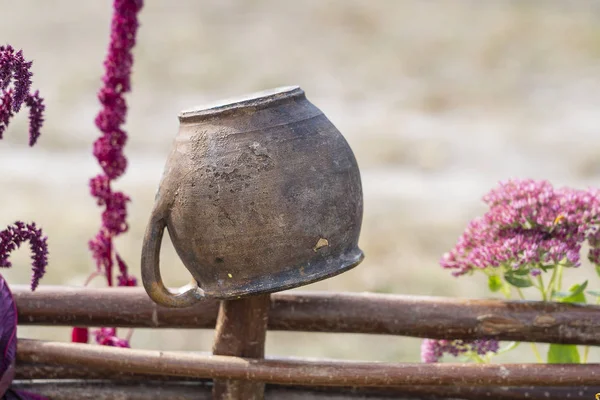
pixel 438 99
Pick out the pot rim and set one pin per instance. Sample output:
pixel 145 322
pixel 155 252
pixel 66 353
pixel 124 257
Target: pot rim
pixel 255 101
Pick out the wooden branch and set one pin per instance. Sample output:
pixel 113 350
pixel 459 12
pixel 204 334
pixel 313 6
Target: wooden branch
pixel 32 371
pixel 419 316
pixel 141 390
pixel 110 390
pixel 241 331
pixel 302 372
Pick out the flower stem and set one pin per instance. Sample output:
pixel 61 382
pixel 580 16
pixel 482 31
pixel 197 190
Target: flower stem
pixel 550 289
pixel 542 287
pixel 537 353
pixel 477 358
pixel 90 278
pixel 560 276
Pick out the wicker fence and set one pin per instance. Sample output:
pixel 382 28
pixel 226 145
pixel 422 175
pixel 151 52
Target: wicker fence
pixel 77 371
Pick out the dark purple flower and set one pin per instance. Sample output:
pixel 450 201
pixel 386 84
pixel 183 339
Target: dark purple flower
pixel 36 115
pixel 11 239
pixel 101 247
pixel 6 111
pixel 124 278
pixel 432 350
pixel 16 71
pixel 8 346
pixel 8 336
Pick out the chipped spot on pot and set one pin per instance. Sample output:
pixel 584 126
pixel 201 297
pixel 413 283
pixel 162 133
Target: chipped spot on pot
pixel 322 242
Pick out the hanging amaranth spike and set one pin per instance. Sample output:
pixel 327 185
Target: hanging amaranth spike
pixel 108 150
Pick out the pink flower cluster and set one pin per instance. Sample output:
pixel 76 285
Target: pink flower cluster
pixel 432 350
pixel 108 150
pixel 15 85
pixel 529 224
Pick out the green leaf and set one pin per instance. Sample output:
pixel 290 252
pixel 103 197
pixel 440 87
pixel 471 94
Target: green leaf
pixel 563 354
pixel 593 293
pixel 598 270
pixel 494 283
pixel 521 272
pixel 547 268
pixel 575 294
pixel 518 281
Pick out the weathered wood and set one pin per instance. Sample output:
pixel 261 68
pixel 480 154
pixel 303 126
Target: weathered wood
pixel 33 371
pixel 30 371
pixel 110 390
pixel 74 387
pixel 432 317
pixel 241 331
pixel 182 391
pixel 304 372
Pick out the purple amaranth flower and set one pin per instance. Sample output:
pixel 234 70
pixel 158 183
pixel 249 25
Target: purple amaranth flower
pixel 15 84
pixel 432 350
pixel 15 71
pixel 13 67
pixel 80 335
pixel 36 115
pixel 529 223
pixel 108 150
pixel 108 337
pixel 12 237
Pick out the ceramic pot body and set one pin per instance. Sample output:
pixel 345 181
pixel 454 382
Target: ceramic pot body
pixel 258 195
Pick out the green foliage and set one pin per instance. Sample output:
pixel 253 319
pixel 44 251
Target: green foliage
pixel 518 279
pixel 495 283
pixel 574 295
pixel 563 354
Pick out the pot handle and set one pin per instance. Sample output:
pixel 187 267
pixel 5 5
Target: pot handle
pixel 158 292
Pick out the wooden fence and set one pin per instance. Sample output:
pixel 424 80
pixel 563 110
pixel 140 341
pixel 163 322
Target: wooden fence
pixel 78 371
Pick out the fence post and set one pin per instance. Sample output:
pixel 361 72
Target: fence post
pixel 241 331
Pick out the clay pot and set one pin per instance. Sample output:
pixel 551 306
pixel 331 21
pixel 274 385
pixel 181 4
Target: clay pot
pixel 259 194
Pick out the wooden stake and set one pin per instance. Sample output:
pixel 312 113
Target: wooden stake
pixel 241 331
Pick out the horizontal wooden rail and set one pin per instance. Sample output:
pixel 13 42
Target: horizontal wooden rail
pixel 54 379
pixel 147 389
pixel 304 372
pixel 418 316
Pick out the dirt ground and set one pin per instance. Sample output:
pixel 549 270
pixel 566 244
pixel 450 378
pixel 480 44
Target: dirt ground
pixel 438 99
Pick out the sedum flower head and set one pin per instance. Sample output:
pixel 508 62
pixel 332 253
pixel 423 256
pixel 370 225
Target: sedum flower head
pixel 432 350
pixel 529 224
